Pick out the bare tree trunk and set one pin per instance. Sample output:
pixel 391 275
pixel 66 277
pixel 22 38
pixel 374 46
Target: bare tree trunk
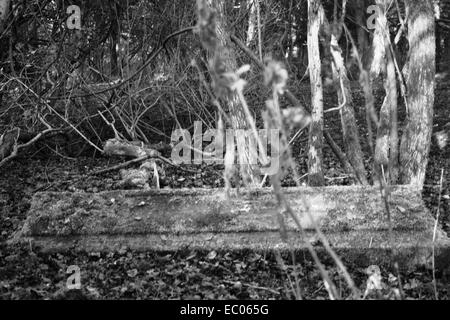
pixel 237 113
pixel 347 112
pixel 386 149
pixel 420 81
pixel 4 10
pixel 236 110
pixel 315 157
pixel 362 35
pixel 349 128
pixel 251 21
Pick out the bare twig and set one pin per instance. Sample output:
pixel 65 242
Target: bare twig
pixel 294 101
pixel 436 294
pixel 153 55
pixel 344 96
pixel 120 166
pixel 17 148
pixel 60 116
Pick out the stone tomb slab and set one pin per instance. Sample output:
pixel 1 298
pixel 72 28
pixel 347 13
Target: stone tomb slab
pixel 353 219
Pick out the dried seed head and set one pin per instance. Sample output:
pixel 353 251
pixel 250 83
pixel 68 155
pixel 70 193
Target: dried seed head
pixel 275 76
pixel 442 139
pixel 226 83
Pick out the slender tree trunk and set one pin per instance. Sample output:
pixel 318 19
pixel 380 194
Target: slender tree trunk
pixel 362 35
pixel 236 110
pixel 386 149
pixel 237 113
pixel 347 112
pixel 420 81
pixel 342 83
pixel 315 157
pixel 286 41
pixel 251 21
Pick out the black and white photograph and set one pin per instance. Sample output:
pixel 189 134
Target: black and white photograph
pixel 226 155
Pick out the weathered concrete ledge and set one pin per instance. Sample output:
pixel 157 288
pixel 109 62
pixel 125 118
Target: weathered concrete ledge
pixel 353 219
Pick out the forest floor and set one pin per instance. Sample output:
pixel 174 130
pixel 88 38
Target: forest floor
pixel 27 273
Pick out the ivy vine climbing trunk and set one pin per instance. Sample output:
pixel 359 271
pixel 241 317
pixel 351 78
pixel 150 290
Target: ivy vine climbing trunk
pixel 420 79
pixel 239 121
pixel 315 157
pixel 386 155
pixel 237 113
